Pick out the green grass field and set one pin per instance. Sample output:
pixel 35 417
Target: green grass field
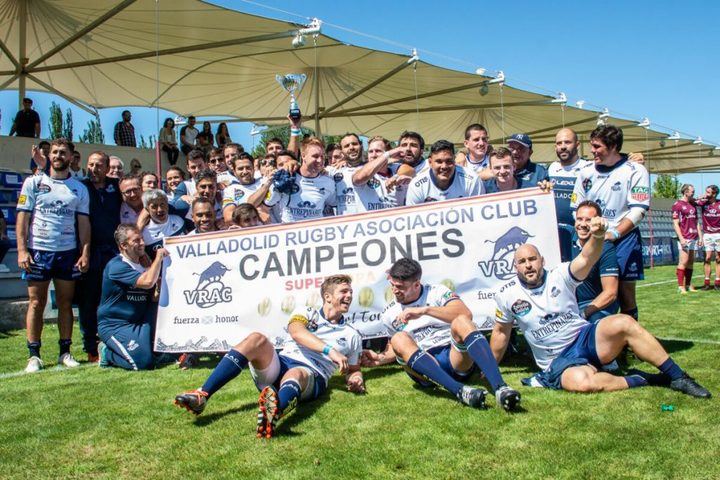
pixel 105 423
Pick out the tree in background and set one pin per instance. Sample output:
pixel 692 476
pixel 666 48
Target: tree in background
pixel 666 186
pixel 93 133
pixel 56 121
pixel 150 142
pixel 68 125
pixel 283 133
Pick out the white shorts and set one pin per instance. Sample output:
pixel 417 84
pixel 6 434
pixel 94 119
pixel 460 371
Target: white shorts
pixel 711 241
pixel 270 375
pixel 690 246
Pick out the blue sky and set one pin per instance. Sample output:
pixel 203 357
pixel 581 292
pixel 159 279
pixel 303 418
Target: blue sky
pixel 641 58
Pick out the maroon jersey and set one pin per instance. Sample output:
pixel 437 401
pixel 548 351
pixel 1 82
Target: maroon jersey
pixel 710 216
pixel 686 213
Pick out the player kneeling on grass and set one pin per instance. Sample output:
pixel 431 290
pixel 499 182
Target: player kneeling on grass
pixel 570 350
pixel 320 343
pixel 435 340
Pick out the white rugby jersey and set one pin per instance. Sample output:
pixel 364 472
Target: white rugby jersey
pixel 563 179
pixel 307 202
pixel 477 167
pixel 226 178
pixel 340 336
pixel 616 189
pixel 366 197
pixel 53 204
pixel 423 188
pixel 427 331
pixel 421 166
pixel 153 233
pixel 237 193
pixel 548 315
pixel 190 187
pixel 127 214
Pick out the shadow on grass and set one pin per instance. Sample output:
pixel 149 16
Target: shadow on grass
pixel 672 346
pixel 204 420
pixel 7 331
pixel 302 411
pixel 376 373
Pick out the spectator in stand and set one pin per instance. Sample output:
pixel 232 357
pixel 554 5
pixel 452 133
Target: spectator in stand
pixel 117 168
pixel 128 307
pixel 53 242
pixel 333 154
pixel 135 167
pixel 131 192
pixel 527 171
pixel 710 206
pixel 124 133
pixel 188 136
pixel 39 160
pixel 173 177
pixel 148 181
pixel 205 139
pixel 168 141
pixel 222 136
pixel 105 202
pixel 685 223
pixel 27 121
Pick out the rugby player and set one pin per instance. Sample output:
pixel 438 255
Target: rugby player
pixel 527 171
pixel 216 163
pixel 434 338
pixel 685 224
pixel 50 247
pixel 148 181
pixel 308 194
pixel 186 190
pixel 562 173
pixel 131 192
pixel 105 200
pixel 372 186
pixel 570 350
pixel 320 343
pixel 597 294
pixel 622 189
pixel 245 216
pixel 477 158
pixel 128 308
pixel 244 169
pixel 203 216
pixel 710 206
pixel 413 145
pixel 443 180
pixel 161 223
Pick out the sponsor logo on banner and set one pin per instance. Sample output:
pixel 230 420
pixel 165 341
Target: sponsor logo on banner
pixel 210 289
pixel 500 264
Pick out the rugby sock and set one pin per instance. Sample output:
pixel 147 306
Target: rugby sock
pixel 228 368
pixel 707 281
pixel 425 364
pixel 680 274
pixel 671 369
pixel 479 349
pixel 289 390
pixel 34 349
pixel 652 379
pixel 64 345
pixel 635 381
pixel 688 277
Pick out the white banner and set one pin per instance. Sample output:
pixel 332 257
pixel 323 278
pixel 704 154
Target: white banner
pixel 219 287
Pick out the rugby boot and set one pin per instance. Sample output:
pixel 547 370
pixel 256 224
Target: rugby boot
pixel 472 397
pixel 507 398
pixel 687 385
pixel 193 401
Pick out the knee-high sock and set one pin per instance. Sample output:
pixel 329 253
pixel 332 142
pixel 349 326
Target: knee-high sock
pixel 289 390
pixel 424 364
pixel 680 274
pixel 228 368
pixel 688 276
pixel 479 350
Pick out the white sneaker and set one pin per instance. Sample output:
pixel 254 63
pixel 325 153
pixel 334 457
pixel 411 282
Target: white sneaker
pixel 67 360
pixel 34 365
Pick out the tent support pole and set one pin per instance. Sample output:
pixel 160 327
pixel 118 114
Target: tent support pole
pixel 316 85
pixel 22 44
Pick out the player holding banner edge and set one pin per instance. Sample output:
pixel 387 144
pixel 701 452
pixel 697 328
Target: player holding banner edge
pixel 320 343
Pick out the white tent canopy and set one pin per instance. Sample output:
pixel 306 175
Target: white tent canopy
pixel 189 56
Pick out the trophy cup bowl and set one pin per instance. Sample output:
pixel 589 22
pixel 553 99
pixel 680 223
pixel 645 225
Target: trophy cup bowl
pixel 292 83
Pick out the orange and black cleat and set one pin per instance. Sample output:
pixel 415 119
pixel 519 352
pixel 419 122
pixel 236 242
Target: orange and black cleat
pixel 268 413
pixel 193 401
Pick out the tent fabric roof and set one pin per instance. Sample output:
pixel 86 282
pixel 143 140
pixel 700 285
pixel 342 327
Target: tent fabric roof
pixel 189 56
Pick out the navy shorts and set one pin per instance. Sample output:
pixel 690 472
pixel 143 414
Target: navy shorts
pixel 581 352
pixel 629 256
pixel 49 265
pixel 442 355
pixel 319 385
pixel 611 309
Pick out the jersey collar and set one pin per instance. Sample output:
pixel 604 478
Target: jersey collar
pixel 607 169
pixel 341 321
pixel 434 179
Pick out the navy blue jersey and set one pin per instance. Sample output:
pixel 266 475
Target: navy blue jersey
pixel 104 211
pixel 121 301
pixel 607 266
pixel 532 174
pixel 491 185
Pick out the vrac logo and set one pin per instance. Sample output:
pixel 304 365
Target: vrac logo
pixel 500 264
pixel 210 290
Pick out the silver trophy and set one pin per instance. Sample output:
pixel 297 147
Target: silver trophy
pixel 292 83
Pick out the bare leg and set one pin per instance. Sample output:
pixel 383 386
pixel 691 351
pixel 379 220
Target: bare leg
pixel 257 349
pixel 586 379
pixel 613 333
pixel 64 291
pixel 37 293
pixel 626 296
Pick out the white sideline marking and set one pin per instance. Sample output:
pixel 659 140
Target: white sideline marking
pixel 674 280
pixel 693 340
pixel 56 368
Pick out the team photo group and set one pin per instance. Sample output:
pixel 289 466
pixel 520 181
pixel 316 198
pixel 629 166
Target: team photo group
pixel 101 237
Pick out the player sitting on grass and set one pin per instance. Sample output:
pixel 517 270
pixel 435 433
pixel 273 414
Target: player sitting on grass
pixel 433 337
pixel 570 350
pixel 320 343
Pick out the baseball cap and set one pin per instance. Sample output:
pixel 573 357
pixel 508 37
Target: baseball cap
pixel 521 138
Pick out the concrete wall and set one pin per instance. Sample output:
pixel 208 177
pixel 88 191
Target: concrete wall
pixel 15 153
